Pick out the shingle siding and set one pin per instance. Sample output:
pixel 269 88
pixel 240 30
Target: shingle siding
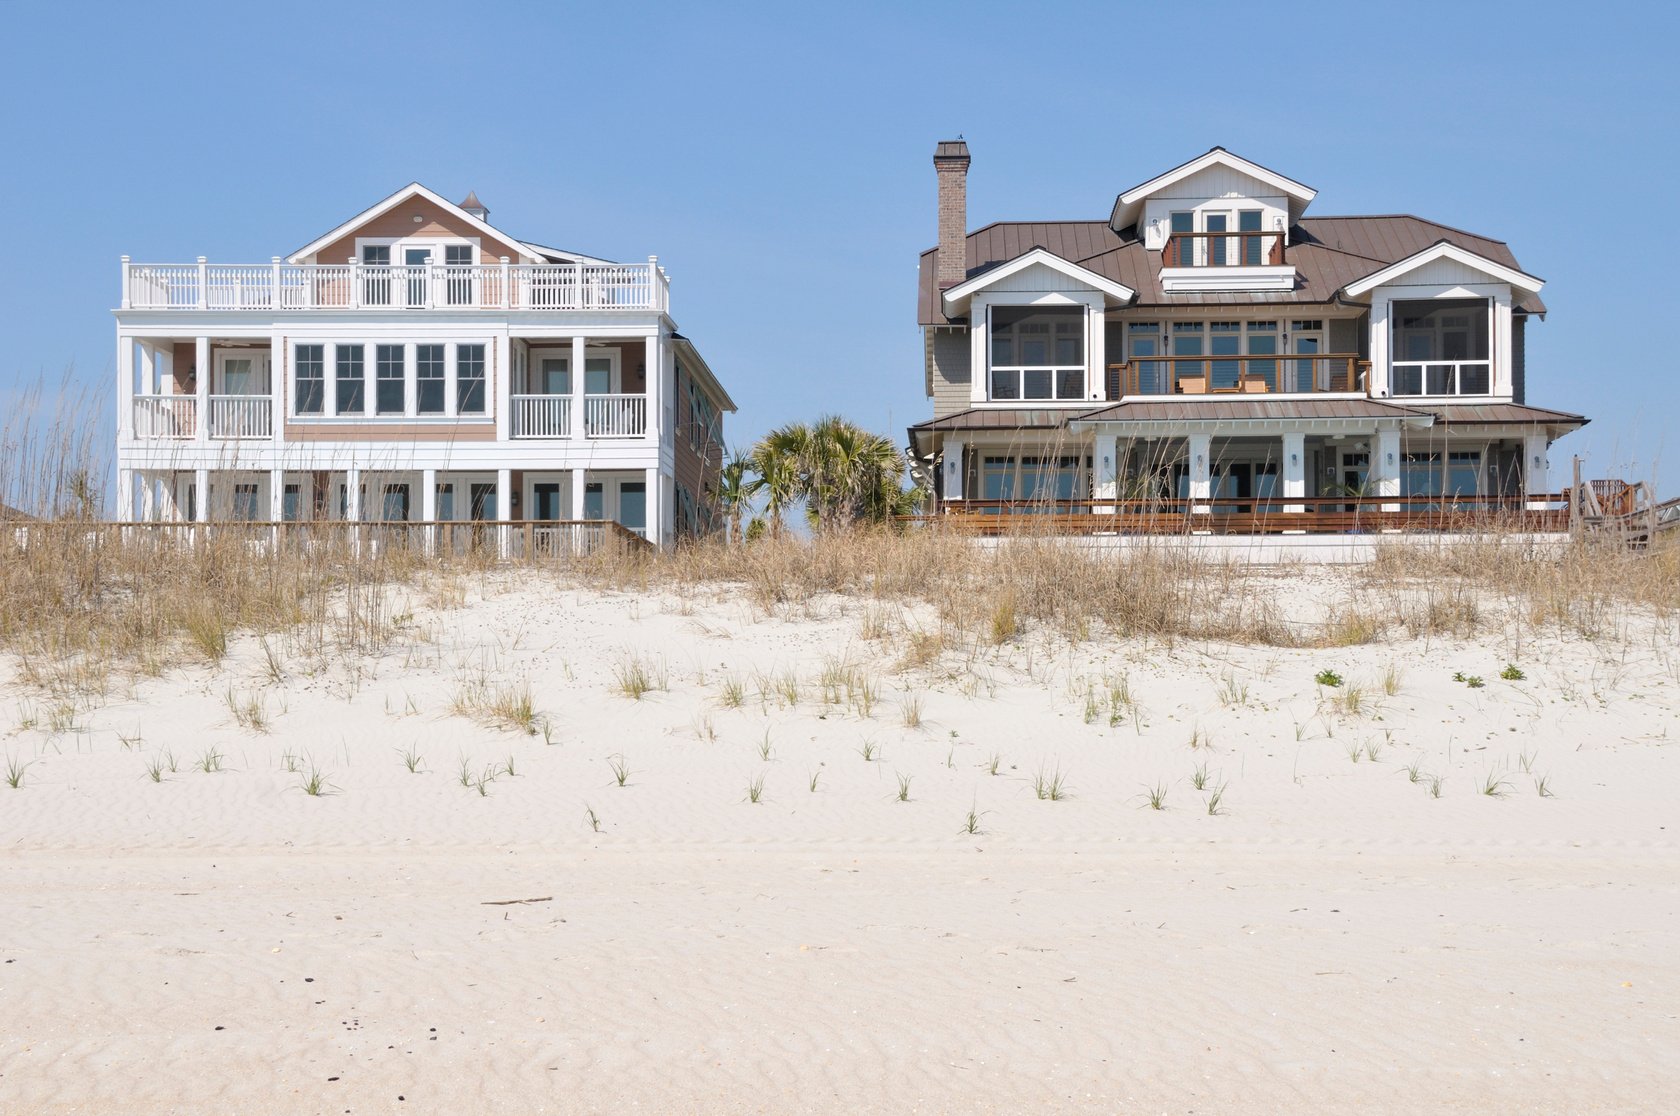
pixel 948 362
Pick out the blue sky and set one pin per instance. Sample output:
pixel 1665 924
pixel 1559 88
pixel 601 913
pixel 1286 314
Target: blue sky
pixel 777 159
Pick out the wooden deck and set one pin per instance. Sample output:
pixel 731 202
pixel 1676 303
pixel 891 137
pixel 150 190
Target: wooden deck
pixel 1539 514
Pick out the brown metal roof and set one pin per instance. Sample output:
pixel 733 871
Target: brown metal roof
pixel 1503 414
pixel 1000 418
pixel 1328 253
pixel 1249 410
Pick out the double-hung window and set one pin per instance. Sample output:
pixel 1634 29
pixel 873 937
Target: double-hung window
pixel 390 390
pixel 351 377
pixel 1038 353
pixel 469 379
pixel 428 379
pixel 311 366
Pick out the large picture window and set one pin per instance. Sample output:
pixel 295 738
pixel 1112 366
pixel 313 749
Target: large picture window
pixel 1441 347
pixel 1037 353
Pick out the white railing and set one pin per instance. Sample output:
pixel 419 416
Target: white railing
pixel 1441 377
pixel 241 416
pixel 541 416
pixel 164 416
pixel 277 286
pixel 614 416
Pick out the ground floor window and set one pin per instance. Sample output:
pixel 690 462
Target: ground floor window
pixel 1033 478
pixel 394 504
pixel 245 502
pixel 291 503
pixel 632 505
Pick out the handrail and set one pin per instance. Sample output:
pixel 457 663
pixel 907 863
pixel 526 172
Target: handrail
pixel 1182 244
pixel 1326 372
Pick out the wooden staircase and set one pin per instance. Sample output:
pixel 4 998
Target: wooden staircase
pixel 1627 512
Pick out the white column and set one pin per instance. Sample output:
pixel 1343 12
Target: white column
pixel 428 509
pixel 1536 474
pixel 951 460
pixel 1385 465
pixel 125 495
pixel 353 494
pixel 277 382
pixel 576 365
pixel 170 510
pixel 653 385
pixel 501 377
pixel 1096 386
pixel 1105 470
pixel 148 368
pixel 1294 470
pixel 276 495
pixel 201 391
pixel 201 495
pixel 125 387
pixel 504 509
pixel 655 520
pixel 1200 450
pixel 148 497
pixel 578 482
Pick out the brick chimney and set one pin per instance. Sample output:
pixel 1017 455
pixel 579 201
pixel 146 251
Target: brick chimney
pixel 950 167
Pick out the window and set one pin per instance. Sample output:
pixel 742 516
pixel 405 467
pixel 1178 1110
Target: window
pixel 997 478
pixel 291 503
pixel 311 367
pixel 1225 339
pixel 554 376
pixel 1189 376
pixel 1149 377
pixel 594 501
pixel 1248 221
pixel 1181 250
pixel 1219 247
pixel 394 504
pixel 1038 353
pixel 376 282
pixel 1262 339
pixel 469 379
pixel 245 502
pixel 389 371
pixel 458 259
pixel 445 503
pixel 1441 347
pixel 347 369
pixel 428 379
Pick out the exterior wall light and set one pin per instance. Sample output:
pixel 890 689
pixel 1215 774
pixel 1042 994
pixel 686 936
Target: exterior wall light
pixel 1294 459
pixel 1391 459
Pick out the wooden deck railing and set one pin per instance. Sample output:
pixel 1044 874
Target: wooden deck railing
pixel 1246 374
pixel 1276 515
pixel 1231 248
pixel 526 539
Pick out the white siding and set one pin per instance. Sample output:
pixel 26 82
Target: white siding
pixel 1038 277
pixel 1218 189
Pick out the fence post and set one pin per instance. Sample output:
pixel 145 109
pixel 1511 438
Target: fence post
pixel 125 295
pixel 203 283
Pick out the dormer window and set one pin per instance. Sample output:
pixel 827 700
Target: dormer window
pixel 1038 353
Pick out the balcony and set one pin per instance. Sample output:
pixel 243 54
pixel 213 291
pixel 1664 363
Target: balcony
pixel 166 417
pixel 1328 373
pixel 276 286
pixel 1437 377
pixel 1225 261
pixel 604 416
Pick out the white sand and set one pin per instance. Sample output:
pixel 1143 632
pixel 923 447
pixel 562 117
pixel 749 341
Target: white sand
pixel 1336 940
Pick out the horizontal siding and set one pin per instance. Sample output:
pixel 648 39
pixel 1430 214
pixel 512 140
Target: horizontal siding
pixel 1443 273
pixel 1039 277
pixel 948 358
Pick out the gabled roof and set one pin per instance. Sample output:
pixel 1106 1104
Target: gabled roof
pixel 700 370
pixel 1444 249
pixel 412 190
pixel 1127 205
pixel 1327 252
pixel 1034 256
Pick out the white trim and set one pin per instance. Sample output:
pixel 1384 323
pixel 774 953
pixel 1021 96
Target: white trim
pixel 378 209
pixel 1118 291
pixel 1218 156
pixel 1443 250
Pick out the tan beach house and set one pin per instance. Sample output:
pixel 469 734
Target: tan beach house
pixel 415 364
pixel 1208 350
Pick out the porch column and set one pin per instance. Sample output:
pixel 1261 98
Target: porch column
pixel 1385 465
pixel 125 388
pixel 201 495
pixel 148 497
pixel 1294 470
pixel 201 391
pixel 1200 450
pixel 576 365
pixel 655 509
pixel 277 380
pixel 169 511
pixel 501 375
pixel 653 384
pixel 504 509
pixel 125 495
pixel 1105 454
pixel 1535 469
pixel 277 501
pixel 428 511
pixel 578 483
pixel 353 506
pixel 952 458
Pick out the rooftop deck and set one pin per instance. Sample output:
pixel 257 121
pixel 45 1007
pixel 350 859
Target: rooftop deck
pixel 276 286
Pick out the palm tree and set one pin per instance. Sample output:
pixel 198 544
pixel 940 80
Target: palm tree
pixel 844 474
pixel 733 493
pixel 775 460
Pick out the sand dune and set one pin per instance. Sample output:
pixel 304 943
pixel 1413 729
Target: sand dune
pixel 1332 936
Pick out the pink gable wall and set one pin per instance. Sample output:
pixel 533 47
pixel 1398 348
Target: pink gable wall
pixel 434 222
